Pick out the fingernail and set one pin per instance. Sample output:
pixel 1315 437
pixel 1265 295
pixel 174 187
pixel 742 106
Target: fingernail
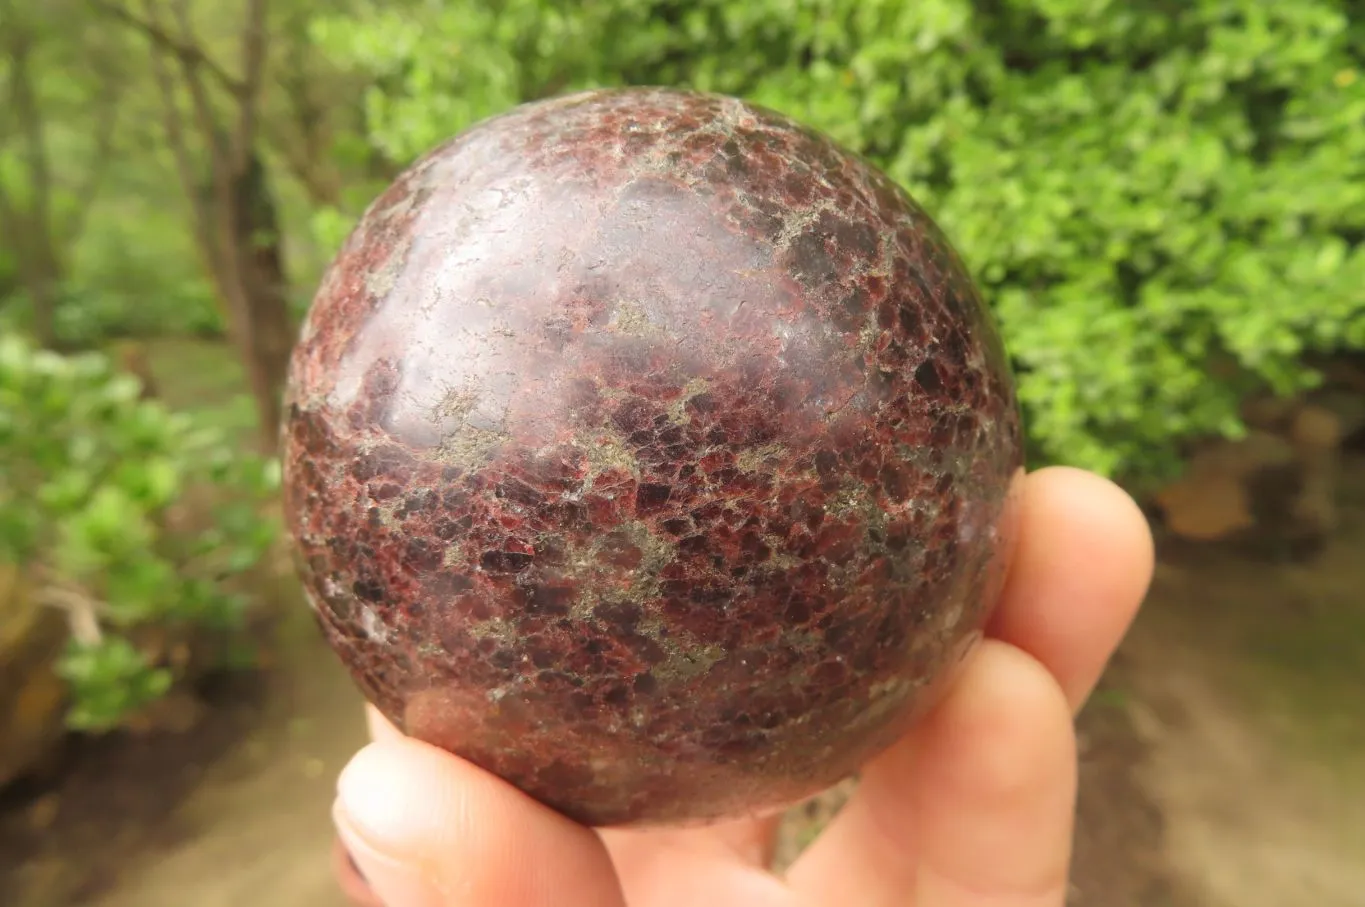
pixel 353 883
pixel 395 882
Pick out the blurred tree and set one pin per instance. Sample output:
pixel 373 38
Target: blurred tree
pixel 42 212
pixel 313 112
pixel 211 122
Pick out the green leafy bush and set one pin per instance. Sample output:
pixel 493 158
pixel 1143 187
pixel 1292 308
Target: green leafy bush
pixel 1164 201
pixel 98 500
pixel 120 299
pixel 89 313
pixel 135 283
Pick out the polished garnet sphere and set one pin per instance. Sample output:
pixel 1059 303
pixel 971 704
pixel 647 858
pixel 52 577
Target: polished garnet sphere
pixel 652 452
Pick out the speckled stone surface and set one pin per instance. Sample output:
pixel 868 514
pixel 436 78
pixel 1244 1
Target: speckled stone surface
pixel 652 452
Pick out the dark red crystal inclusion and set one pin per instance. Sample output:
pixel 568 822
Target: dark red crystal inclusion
pixel 652 452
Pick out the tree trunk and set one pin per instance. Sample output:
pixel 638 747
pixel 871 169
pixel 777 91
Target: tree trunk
pixel 45 282
pixel 266 293
pixel 38 267
pixel 246 259
pixel 27 222
pixel 233 211
pixel 43 293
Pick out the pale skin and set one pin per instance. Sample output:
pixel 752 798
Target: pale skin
pixel 973 808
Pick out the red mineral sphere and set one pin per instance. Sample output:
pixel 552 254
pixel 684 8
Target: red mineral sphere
pixel 653 452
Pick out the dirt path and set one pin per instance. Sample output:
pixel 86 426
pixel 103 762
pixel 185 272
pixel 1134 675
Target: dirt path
pixel 1245 825
pixel 1248 686
pixel 262 813
pixel 234 813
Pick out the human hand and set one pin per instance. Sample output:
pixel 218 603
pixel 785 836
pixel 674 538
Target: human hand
pixel 973 808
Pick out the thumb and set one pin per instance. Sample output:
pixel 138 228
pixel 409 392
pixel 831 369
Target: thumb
pixel 428 829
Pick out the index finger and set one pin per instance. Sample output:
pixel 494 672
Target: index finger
pixel 1081 569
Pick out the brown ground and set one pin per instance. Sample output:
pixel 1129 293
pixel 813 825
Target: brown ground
pixel 232 813
pixel 1223 762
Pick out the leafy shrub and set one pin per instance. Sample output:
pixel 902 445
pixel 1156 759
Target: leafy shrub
pixel 143 283
pixel 94 306
pixel 89 314
pixel 1164 201
pixel 96 500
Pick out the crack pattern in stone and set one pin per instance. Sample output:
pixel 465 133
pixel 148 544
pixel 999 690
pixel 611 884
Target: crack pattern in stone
pixel 652 452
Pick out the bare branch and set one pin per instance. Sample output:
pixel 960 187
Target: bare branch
pixel 24 105
pixel 253 67
pixel 199 96
pixel 297 85
pixel 82 612
pixel 7 207
pixel 186 52
pixel 106 118
pixel 11 225
pixel 41 266
pixel 175 137
pixel 220 226
pixel 314 175
pixel 11 31
pixel 305 158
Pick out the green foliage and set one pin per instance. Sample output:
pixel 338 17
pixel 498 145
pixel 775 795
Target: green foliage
pixel 1150 193
pixel 109 681
pixel 92 308
pixel 98 505
pixel 136 284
